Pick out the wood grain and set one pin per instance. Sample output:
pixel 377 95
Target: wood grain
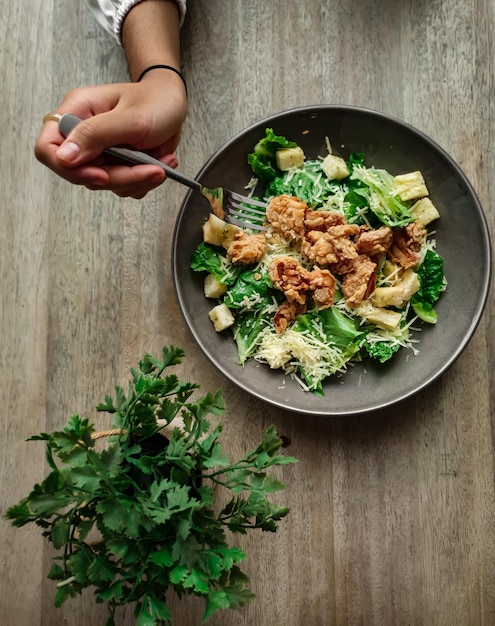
pixel 392 514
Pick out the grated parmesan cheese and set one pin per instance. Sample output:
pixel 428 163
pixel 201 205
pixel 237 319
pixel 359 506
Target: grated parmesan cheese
pixel 292 350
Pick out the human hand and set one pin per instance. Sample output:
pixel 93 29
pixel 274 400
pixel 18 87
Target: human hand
pixel 147 116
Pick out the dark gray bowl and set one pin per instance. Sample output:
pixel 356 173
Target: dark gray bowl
pixel 461 234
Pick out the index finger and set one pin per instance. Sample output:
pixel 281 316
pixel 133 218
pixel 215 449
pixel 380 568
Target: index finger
pixel 49 140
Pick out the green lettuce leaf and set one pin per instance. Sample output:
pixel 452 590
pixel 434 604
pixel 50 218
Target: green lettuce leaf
pixel 251 290
pixel 432 282
pixel 247 331
pixel 337 331
pixel 208 259
pixel 378 192
pixel 309 183
pixel 262 160
pixel 381 351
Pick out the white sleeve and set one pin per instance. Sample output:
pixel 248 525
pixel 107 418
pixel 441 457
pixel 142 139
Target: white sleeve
pixel 112 13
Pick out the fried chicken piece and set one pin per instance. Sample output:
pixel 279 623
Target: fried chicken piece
pixel 318 248
pixel 374 242
pixel 322 284
pixel 322 220
pixel 358 279
pixel 406 245
pixel 246 248
pixel 331 246
pixel 341 239
pixel 288 276
pixel 286 215
pixel 286 314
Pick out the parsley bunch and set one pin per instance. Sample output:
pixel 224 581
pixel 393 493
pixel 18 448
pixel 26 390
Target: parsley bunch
pixel 138 517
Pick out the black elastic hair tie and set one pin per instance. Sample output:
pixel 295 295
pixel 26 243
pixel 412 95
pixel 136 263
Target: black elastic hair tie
pixel 163 67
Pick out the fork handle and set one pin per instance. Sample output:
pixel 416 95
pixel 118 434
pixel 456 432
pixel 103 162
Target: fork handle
pixel 68 122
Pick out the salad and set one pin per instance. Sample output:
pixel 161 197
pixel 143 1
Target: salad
pixel 345 267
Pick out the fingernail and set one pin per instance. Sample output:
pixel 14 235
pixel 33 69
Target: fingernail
pixel 174 163
pixel 68 151
pixel 156 178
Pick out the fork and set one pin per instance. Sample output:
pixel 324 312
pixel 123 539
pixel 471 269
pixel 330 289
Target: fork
pixel 228 205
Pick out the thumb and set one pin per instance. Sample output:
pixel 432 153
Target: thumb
pixel 89 138
pixel 69 152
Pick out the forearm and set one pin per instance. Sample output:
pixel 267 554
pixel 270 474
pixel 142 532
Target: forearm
pixel 150 36
pixel 112 13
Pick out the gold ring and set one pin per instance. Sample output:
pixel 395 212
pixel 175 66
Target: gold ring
pixel 52 117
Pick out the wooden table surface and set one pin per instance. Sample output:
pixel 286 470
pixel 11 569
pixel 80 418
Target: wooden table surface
pixel 392 513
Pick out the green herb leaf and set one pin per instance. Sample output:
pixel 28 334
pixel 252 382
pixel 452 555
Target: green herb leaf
pixel 149 500
pixel 152 612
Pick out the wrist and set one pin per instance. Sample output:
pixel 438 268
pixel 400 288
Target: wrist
pixel 161 67
pixel 162 86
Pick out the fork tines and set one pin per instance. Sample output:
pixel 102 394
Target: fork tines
pixel 248 201
pixel 245 212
